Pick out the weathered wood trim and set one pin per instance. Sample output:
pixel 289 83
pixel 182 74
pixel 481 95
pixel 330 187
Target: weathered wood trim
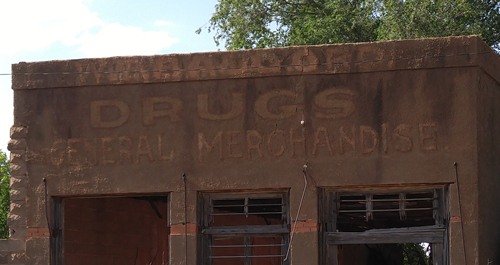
pixel 386 236
pixel 235 230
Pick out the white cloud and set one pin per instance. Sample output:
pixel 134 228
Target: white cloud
pixel 6 106
pixel 31 28
pixel 116 39
pixel 34 25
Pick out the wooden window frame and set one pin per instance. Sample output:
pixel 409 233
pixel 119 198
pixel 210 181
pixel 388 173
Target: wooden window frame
pixel 330 238
pixel 207 231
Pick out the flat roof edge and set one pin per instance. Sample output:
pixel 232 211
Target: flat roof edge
pixel 463 51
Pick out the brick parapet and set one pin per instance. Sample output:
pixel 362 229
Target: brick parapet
pixel 324 59
pixel 13 249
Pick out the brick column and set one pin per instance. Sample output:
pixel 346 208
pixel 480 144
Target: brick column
pixel 13 250
pixel 182 233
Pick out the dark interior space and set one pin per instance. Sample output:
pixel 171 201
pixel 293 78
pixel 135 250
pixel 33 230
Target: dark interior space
pixel 361 212
pixel 385 254
pixel 389 228
pixel 115 230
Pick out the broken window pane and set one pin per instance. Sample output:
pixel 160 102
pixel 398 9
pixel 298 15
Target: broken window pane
pixel 389 228
pixel 360 212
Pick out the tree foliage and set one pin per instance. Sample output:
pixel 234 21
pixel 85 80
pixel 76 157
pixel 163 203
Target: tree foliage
pixel 245 24
pixel 4 194
pixel 415 254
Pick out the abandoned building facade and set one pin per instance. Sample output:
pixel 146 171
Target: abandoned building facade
pixel 334 154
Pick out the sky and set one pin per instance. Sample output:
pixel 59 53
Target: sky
pixel 34 30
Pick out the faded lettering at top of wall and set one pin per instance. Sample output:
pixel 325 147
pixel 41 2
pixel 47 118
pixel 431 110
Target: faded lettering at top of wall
pixel 332 132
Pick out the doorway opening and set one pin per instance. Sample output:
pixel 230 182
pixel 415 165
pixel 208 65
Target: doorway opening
pixel 112 230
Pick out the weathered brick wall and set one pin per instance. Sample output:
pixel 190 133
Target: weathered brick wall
pixel 412 100
pixel 12 251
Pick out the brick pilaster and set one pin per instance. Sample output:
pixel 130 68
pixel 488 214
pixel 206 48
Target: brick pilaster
pixel 13 250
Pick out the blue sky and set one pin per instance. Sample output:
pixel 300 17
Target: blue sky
pixel 34 30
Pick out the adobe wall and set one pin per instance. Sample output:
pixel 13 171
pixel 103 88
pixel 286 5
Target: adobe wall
pixel 389 114
pixel 489 164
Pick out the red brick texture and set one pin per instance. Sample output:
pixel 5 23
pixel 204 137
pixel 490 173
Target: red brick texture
pixel 37 232
pixel 181 229
pixel 305 226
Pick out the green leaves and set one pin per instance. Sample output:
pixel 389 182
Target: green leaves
pixel 415 254
pixel 333 22
pixel 418 18
pixel 4 194
pixel 246 24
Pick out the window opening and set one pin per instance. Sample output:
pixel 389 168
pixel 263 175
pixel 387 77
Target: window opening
pixel 391 228
pixel 361 212
pixel 245 229
pixel 385 254
pixel 113 230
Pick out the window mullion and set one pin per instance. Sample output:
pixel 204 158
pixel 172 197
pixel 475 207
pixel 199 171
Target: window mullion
pixel 246 207
pixel 402 206
pixel 369 207
pixel 248 251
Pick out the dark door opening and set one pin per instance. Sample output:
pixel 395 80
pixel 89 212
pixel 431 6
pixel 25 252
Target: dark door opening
pixel 113 230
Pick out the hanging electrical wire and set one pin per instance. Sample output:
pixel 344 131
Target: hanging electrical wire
pixel 47 216
pixel 455 164
pixel 46 198
pixel 304 175
pixel 294 229
pixel 184 180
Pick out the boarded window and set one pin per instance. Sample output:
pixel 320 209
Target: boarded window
pixel 244 229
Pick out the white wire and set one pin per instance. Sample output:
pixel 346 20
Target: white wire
pixel 298 212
